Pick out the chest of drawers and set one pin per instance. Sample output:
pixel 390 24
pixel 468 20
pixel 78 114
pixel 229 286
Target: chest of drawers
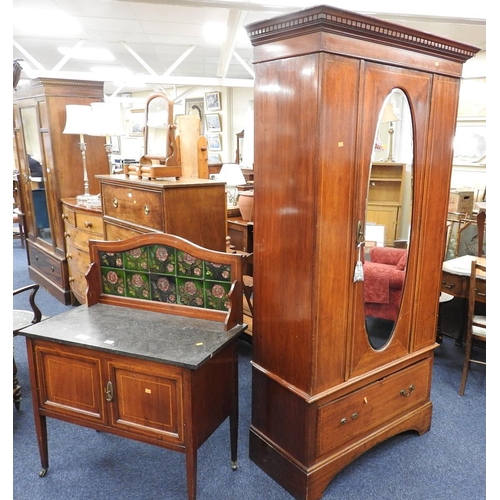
pixel 194 209
pixel 81 224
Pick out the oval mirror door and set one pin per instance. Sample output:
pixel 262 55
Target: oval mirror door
pixel 388 218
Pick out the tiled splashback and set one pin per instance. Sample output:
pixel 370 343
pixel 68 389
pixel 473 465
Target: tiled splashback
pixel 166 274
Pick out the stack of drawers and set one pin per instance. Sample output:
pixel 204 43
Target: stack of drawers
pixel 81 224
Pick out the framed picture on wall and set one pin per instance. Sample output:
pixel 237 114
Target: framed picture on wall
pixel 115 144
pixel 469 146
pixel 213 158
pixel 213 101
pixel 196 106
pixel 137 122
pixel 214 142
pixel 213 122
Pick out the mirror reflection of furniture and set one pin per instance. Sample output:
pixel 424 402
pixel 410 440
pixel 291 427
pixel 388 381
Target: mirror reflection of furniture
pixel 21 319
pixel 476 323
pixel 384 276
pixel 160 145
pixel 389 116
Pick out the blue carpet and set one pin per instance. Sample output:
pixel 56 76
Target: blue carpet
pixel 448 462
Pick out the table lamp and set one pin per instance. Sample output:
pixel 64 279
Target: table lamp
pixel 389 116
pixel 107 121
pixel 79 122
pixel 231 174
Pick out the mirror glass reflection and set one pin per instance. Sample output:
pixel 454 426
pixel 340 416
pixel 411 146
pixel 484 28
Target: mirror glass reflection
pixel 35 180
pixel 156 127
pixel 388 218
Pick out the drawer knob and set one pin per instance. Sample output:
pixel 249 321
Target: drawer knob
pixel 355 415
pixel 52 268
pixel 69 255
pixel 403 392
pixel 115 202
pixel 87 223
pixel 71 279
pixel 343 421
pixel 146 209
pixel 66 235
pixel 64 216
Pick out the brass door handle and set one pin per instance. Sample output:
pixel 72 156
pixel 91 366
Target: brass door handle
pixel 108 391
pixel 115 202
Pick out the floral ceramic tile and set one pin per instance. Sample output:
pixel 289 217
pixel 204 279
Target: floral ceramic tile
pixel 111 259
pixel 137 285
pixel 217 272
pixel 161 259
pixel 216 295
pixel 163 288
pixel 113 281
pixel 187 265
pixel 190 292
pixel 136 259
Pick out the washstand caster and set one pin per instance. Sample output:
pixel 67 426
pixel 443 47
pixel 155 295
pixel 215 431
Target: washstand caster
pixel 42 473
pixel 234 465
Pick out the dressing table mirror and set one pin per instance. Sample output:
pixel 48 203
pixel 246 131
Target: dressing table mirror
pixel 161 152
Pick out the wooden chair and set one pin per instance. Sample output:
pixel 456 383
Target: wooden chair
pixel 476 324
pixel 22 319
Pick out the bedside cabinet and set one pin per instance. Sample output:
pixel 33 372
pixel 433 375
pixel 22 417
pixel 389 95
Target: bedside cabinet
pixel 81 224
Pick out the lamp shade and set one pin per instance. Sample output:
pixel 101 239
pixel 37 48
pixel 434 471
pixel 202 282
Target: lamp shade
pixel 231 174
pixel 389 115
pixel 78 119
pixel 107 119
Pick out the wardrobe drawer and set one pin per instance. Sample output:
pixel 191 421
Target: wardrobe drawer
pixel 144 208
pixel 360 412
pixel 47 265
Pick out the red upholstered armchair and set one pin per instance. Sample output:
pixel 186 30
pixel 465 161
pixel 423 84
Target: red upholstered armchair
pixel 384 277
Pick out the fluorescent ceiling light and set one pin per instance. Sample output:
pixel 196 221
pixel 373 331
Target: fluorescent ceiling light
pixel 112 72
pixel 45 22
pixel 88 54
pixel 214 32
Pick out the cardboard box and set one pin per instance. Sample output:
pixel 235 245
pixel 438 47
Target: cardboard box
pixel 461 201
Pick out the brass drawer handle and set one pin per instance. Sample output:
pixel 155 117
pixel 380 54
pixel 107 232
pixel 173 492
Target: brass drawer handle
pixel 146 209
pixel 87 223
pixel 115 202
pixel 355 415
pixel 403 392
pixel 449 287
pixel 480 293
pixel 343 421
